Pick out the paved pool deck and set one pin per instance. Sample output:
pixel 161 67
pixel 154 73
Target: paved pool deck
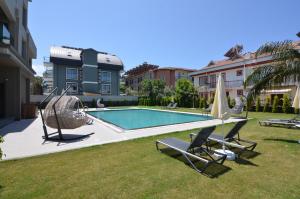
pixel 24 138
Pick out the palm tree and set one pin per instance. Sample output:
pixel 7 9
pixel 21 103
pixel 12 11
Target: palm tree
pixel 286 66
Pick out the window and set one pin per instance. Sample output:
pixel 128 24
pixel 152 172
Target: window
pixel 239 72
pixel 239 92
pixel 140 79
pixel 71 73
pixel 224 76
pixel 105 76
pixel 203 80
pixel 105 89
pixel 74 87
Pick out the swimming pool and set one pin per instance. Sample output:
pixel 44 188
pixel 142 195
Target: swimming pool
pixel 129 119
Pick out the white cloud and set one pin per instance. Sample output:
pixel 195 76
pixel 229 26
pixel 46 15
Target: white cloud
pixel 39 69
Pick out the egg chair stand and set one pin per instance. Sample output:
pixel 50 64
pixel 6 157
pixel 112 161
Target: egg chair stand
pixel 58 135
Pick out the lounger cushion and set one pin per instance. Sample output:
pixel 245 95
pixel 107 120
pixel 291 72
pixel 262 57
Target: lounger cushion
pixel 216 137
pixel 176 143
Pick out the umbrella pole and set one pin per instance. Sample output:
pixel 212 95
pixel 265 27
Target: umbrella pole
pixel 223 144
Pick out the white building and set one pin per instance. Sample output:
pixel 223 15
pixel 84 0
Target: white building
pixel 235 69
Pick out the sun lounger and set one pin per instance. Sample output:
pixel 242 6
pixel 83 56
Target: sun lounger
pixel 232 138
pixel 169 105
pixel 288 123
pixel 174 105
pixel 208 110
pixel 194 149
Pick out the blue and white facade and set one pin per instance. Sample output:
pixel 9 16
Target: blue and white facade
pixel 87 71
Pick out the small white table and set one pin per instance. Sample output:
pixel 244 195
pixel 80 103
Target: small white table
pixel 229 154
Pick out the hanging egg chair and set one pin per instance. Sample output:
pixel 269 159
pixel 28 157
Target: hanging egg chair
pixel 68 113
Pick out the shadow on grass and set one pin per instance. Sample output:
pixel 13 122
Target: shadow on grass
pixel 282 140
pixel 244 162
pixel 214 170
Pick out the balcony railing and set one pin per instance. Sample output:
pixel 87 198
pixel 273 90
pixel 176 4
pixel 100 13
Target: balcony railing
pixel 5 35
pixel 228 84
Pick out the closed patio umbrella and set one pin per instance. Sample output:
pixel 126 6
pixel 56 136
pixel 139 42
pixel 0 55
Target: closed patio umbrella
pixel 296 102
pixel 220 110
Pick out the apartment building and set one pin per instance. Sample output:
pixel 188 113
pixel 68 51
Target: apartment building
pixel 169 75
pixel 135 76
pixel 86 71
pixel 47 77
pixel 235 69
pixel 17 49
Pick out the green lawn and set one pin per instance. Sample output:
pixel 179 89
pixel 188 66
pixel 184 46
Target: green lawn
pixel 134 169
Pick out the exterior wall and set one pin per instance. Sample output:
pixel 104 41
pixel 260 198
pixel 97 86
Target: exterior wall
pixel 16 65
pixel 134 81
pixel 115 81
pixel 234 83
pixel 20 33
pixel 168 76
pixel 181 74
pixel 59 79
pixel 10 76
pixel 90 65
pixel 90 71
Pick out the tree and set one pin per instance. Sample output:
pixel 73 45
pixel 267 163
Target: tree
pixel 37 85
pixel 267 105
pixel 286 105
pixel 285 66
pixel 202 102
pixel 122 88
pixel 184 92
pixel 153 89
pixel 228 101
pixel 129 91
pixel 257 104
pixel 169 91
pixel 275 104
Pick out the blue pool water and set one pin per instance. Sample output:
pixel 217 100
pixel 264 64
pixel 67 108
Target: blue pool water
pixel 143 118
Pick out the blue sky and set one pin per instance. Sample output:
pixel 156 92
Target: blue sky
pixel 179 33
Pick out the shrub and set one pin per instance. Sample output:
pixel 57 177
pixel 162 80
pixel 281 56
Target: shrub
pixel 204 103
pixel 267 105
pixel 232 103
pixel 275 104
pixel 200 103
pixel 286 105
pixel 185 92
pixel 228 101
pixel 1 141
pixel 257 104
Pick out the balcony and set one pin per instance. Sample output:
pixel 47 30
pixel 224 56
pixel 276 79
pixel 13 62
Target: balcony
pixel 228 84
pixel 5 35
pixel 181 76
